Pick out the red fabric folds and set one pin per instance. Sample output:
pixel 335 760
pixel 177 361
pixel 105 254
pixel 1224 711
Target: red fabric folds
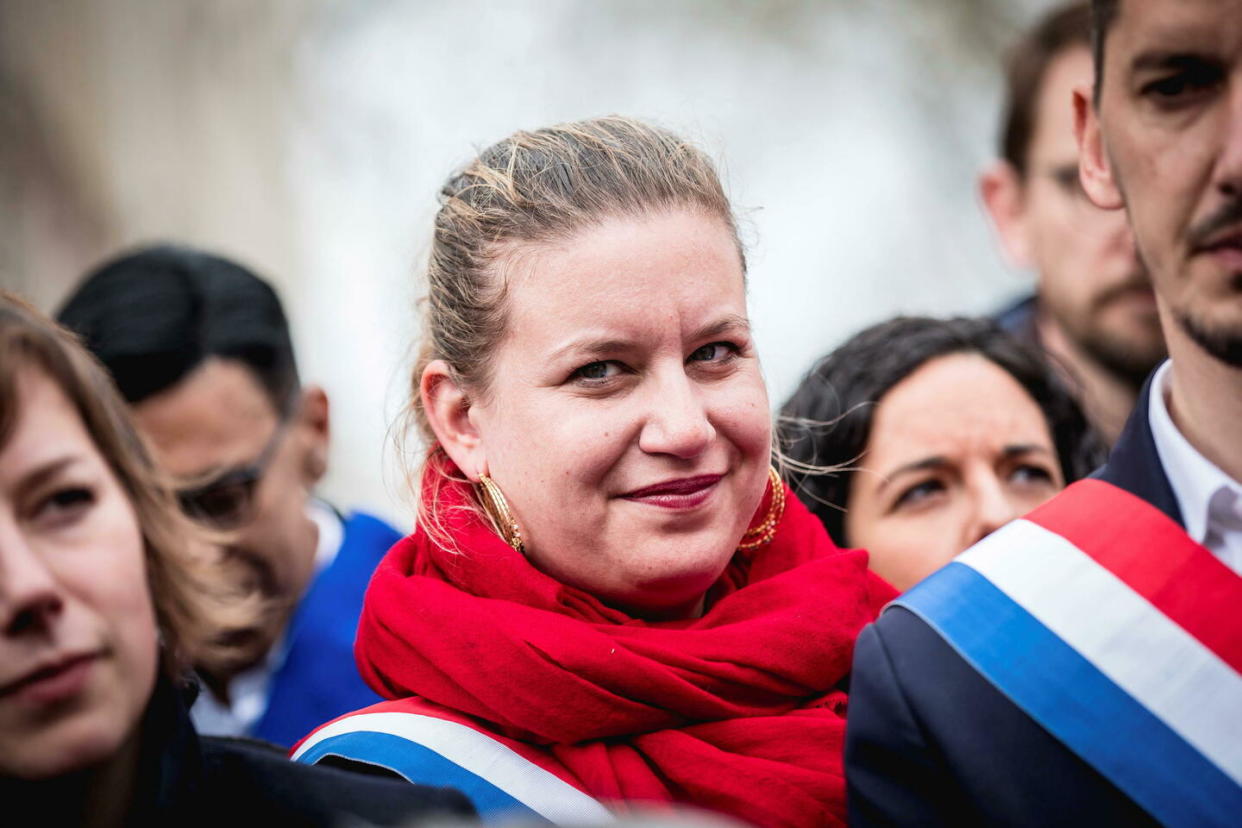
pixel 735 711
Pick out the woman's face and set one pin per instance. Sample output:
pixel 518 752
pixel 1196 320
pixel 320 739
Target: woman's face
pixel 627 421
pixel 957 449
pixel 78 648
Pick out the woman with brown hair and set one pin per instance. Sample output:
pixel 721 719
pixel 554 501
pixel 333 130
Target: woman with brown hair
pixel 610 597
pixel 103 605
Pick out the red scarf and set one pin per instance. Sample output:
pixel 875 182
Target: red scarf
pixel 736 711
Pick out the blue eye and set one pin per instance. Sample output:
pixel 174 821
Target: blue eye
pixel 597 371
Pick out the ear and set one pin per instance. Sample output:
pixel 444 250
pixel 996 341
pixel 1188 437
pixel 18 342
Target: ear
pixel 1094 168
pixel 448 411
pixel 1002 190
pixel 315 424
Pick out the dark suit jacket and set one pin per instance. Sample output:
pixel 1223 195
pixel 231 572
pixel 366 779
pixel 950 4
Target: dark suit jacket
pixel 930 741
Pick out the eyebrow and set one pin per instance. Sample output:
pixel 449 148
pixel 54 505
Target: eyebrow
pixel 939 460
pixel 46 471
pixel 729 323
pixel 1164 59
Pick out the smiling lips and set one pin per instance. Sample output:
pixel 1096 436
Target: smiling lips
pixel 52 682
pixel 681 493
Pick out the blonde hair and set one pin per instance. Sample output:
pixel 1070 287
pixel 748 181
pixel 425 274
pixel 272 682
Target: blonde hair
pixel 195 608
pixel 535 188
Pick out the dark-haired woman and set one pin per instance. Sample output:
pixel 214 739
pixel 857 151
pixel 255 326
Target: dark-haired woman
pixel 102 605
pixel 936 433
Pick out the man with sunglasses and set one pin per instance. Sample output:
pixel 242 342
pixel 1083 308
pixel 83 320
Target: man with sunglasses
pixel 1094 309
pixel 200 348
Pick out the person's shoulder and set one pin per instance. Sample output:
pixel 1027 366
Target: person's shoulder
pixel 256 778
pixel 363 529
pixel 907 644
pixel 1018 319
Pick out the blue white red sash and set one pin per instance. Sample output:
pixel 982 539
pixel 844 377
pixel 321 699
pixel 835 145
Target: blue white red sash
pixel 1102 620
pixel 429 750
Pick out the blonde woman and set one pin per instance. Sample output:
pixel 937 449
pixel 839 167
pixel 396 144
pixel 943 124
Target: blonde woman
pixel 610 597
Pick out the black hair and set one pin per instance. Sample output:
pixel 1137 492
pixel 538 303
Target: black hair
pixel 827 421
pixel 1103 12
pixel 153 315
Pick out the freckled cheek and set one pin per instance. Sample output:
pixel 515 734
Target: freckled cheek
pixel 744 422
pixel 565 447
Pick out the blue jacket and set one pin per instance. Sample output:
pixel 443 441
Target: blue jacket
pixel 931 742
pixel 318 679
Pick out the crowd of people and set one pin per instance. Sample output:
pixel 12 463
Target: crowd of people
pixel 977 571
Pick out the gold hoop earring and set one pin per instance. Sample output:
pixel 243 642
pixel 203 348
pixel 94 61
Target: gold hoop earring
pixel 765 531
pixel 497 509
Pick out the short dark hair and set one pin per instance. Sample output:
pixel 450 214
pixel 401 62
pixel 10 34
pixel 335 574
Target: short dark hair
pixel 1103 13
pixel 1062 28
pixel 155 314
pixel 827 421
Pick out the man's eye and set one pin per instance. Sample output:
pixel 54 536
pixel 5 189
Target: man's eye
pixel 1169 87
pixel 1183 84
pixel 1068 181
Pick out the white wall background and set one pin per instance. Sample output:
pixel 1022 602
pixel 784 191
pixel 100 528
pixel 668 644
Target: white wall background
pixel 309 139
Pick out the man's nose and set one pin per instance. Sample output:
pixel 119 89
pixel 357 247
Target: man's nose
pixel 1229 166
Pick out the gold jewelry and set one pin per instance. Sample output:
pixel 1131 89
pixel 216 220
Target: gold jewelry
pixel 765 531
pixel 497 509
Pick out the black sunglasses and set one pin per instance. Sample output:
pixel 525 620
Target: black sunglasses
pixel 227 502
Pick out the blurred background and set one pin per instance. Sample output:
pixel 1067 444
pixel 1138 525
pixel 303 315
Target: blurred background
pixel 307 139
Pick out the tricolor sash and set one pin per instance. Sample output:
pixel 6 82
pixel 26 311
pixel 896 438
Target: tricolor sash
pixel 430 750
pixel 1104 622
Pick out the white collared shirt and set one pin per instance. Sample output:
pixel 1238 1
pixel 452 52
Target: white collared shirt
pixel 1210 500
pixel 248 690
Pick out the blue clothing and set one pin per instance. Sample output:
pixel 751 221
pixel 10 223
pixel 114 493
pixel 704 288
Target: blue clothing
pixel 1018 320
pixel 930 741
pixel 318 679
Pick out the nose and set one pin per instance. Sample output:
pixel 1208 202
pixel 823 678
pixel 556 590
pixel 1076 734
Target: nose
pixel 677 424
pixel 1230 165
pixel 29 594
pixel 993 509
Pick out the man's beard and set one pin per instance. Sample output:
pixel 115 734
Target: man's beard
pixel 1122 357
pixel 1127 363
pixel 1224 344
